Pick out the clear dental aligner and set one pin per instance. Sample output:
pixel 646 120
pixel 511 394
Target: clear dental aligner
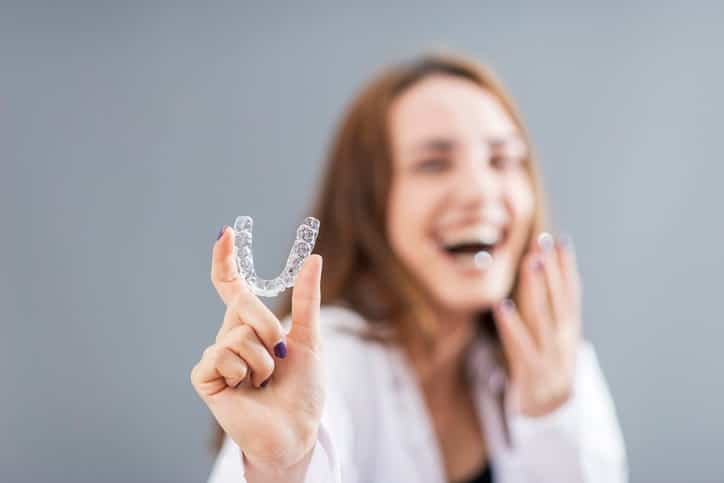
pixel 303 245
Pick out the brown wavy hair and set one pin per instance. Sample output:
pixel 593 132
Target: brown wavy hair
pixel 360 270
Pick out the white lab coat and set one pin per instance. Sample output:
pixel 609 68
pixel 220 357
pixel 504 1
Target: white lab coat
pixel 375 427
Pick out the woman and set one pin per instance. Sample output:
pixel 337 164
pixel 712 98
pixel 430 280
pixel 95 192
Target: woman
pixel 448 346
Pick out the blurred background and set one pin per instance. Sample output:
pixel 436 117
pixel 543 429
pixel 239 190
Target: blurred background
pixel 131 131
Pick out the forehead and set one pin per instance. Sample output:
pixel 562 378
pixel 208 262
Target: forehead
pixel 446 106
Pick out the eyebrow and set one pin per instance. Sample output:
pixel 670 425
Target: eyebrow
pixel 447 144
pixel 436 144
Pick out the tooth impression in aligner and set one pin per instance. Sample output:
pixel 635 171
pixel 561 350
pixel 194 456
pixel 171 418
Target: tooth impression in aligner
pixel 303 245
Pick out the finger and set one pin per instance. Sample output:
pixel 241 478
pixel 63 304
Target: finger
pixel 205 370
pixel 306 298
pixel 205 376
pixel 517 343
pixel 532 299
pixel 243 341
pixel 248 309
pixel 557 297
pixel 569 272
pixel 233 369
pixel 224 274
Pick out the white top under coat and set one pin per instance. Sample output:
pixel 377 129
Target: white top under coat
pixel 375 426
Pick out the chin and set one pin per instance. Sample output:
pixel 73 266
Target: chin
pixel 461 291
pixel 475 297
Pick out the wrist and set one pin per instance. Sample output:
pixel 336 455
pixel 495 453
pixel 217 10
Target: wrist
pixel 265 473
pixel 546 406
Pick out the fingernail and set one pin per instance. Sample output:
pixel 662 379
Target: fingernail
pixel 545 241
pixel 263 384
pixel 566 242
pixel 221 232
pixel 506 305
pixel 280 350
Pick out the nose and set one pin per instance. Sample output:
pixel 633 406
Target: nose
pixel 477 182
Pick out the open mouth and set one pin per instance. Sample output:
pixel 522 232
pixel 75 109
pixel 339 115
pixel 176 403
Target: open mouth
pixel 475 252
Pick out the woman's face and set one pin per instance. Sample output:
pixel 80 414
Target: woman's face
pixel 460 186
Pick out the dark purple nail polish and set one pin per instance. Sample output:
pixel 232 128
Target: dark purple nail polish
pixel 263 384
pixel 280 350
pixel 221 232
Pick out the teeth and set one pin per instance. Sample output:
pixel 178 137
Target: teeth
pixel 483 260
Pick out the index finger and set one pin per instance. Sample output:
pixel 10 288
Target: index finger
pixel 224 274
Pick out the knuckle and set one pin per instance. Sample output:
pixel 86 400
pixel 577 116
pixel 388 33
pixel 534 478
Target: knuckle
pixel 240 303
pixel 265 370
pixel 215 355
pixel 262 364
pixel 246 333
pixel 270 330
pixel 238 310
pixel 229 312
pixel 240 335
pixel 236 369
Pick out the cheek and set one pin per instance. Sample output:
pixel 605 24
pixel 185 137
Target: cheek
pixel 409 212
pixel 521 199
pixel 401 219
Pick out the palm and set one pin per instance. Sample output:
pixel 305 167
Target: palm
pixel 280 412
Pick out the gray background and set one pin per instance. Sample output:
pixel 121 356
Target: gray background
pixel 129 133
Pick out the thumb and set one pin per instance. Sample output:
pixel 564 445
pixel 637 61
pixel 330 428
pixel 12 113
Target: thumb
pixel 306 297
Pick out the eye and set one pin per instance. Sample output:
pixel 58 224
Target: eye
pixel 506 162
pixel 432 165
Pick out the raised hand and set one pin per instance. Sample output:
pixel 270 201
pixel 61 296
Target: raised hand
pixel 264 388
pixel 541 336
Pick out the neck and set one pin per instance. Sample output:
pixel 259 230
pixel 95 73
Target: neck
pixel 441 367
